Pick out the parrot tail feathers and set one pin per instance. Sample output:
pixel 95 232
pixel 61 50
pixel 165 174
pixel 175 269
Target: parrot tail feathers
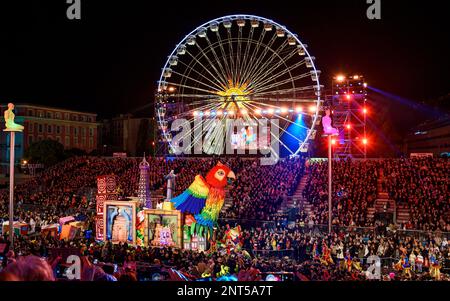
pixel 187 202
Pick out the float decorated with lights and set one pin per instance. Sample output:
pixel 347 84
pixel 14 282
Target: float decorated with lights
pixel 240 67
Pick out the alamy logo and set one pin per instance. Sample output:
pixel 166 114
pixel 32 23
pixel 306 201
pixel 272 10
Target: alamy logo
pixel 262 135
pixel 74 10
pixel 73 272
pixel 374 10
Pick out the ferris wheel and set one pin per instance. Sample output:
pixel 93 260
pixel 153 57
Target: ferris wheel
pixel 242 67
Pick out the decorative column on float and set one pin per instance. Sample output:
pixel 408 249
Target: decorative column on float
pixel 144 189
pixel 12 128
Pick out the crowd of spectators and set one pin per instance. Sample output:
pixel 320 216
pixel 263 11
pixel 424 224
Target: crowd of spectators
pixel 354 191
pixel 422 184
pixel 257 194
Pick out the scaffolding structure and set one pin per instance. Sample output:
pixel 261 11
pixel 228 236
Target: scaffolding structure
pixel 349 96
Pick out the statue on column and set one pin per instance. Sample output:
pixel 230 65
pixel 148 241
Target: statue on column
pixel 9 120
pixel 170 184
pixel 326 123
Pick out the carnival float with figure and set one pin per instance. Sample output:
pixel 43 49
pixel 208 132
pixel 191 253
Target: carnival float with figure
pixel 186 221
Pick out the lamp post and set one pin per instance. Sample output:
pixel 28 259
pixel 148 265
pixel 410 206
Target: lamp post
pixel 12 128
pixel 330 182
pixel 12 135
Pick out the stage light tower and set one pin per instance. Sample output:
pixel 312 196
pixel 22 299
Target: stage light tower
pixel 349 95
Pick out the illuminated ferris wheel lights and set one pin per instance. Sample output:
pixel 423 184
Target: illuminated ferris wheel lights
pixel 240 22
pixel 254 23
pixel 245 58
pixel 267 27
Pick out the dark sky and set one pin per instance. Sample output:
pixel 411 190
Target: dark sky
pixel 110 60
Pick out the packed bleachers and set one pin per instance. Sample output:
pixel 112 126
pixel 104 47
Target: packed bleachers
pixel 280 245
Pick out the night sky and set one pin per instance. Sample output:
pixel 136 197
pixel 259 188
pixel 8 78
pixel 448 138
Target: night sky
pixel 109 61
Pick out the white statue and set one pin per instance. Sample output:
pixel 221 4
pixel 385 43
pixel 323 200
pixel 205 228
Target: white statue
pixel 9 120
pixel 170 184
pixel 326 123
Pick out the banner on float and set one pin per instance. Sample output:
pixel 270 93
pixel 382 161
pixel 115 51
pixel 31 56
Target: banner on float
pixel 99 228
pixel 106 184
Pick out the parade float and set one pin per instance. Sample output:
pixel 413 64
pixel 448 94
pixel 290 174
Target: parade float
pixel 186 221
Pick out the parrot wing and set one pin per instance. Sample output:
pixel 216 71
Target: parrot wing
pixel 193 199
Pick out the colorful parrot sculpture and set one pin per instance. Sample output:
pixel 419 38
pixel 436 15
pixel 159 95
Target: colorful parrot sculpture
pixel 204 199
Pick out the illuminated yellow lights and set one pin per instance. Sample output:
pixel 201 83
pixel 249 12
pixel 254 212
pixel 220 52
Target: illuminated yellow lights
pixel 333 141
pixel 312 109
pixel 243 111
pixel 207 113
pixel 171 89
pixel 365 85
pixel 230 112
pixel 364 141
pixel 355 76
pixel 365 111
pixel 348 126
pixel 298 109
pixel 270 111
pixel 340 78
pixel 219 113
pixel 258 111
pixel 284 110
pixel 195 113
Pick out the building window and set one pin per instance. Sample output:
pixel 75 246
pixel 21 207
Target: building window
pixel 83 132
pixel 58 115
pixel 30 127
pixel 91 142
pixel 75 130
pixel 49 128
pixel 83 118
pixel 30 113
pixel 67 129
pixel 83 142
pixel 67 141
pixel 90 119
pixel 49 115
pixel 75 141
pixel 58 139
pixel 58 129
pixel 74 117
pixel 40 128
pixel 91 132
pixel 40 114
pixel 66 116
pixel 30 140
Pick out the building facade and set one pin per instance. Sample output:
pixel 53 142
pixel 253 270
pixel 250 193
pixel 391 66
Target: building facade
pixel 73 129
pixel 127 133
pixel 430 137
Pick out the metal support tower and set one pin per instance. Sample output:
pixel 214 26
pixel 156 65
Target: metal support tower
pixel 349 116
